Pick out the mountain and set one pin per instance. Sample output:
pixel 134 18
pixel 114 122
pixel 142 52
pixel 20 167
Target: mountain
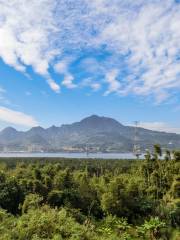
pixel 97 133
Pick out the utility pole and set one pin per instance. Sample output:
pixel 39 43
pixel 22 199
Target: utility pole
pixel 136 147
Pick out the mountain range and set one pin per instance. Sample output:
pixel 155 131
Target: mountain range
pixel 95 133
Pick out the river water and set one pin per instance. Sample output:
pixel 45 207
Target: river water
pixel 70 155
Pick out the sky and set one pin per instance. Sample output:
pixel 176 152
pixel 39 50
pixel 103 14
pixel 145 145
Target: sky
pixel 63 60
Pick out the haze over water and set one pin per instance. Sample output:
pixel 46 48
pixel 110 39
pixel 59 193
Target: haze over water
pixel 72 155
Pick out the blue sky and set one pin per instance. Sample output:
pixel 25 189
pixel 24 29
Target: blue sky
pixel 61 61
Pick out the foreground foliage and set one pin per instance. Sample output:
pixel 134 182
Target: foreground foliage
pixel 91 199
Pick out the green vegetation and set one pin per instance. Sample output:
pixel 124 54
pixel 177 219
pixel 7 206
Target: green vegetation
pixel 91 199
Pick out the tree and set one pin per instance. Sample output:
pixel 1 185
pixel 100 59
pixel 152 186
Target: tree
pixel 32 201
pixel 11 195
pixel 152 228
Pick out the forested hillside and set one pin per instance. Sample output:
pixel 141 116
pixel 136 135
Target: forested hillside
pixel 100 134
pixel 90 199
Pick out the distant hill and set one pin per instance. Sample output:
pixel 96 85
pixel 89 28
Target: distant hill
pixel 94 132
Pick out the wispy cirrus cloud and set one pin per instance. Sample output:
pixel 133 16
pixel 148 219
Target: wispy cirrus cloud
pixel 3 98
pixel 141 39
pixel 88 82
pixel 159 126
pixel 111 79
pixel 61 67
pixel 25 36
pixel 16 117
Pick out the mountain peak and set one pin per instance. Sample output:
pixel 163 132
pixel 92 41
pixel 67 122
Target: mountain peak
pixel 100 123
pixel 9 133
pixel 37 128
pixel 8 130
pixel 102 133
pixel 91 118
pixel 53 127
pixel 97 118
pixel 52 130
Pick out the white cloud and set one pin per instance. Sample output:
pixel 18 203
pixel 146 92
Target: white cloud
pixel 88 82
pixel 62 68
pixel 143 35
pixel 26 28
pixel 113 84
pixel 68 81
pixel 149 36
pixel 159 126
pixel 54 86
pixel 95 86
pixel 15 117
pixel 3 98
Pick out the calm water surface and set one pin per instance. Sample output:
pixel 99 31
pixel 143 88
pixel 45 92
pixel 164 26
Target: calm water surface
pixel 72 155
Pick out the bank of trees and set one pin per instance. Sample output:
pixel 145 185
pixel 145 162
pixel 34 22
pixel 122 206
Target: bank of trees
pixel 91 199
